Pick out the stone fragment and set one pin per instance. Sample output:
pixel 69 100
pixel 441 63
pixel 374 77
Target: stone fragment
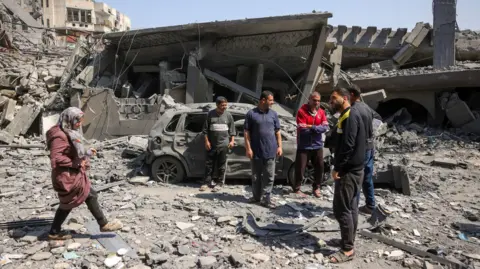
pixel 158 258
pixel 122 251
pixel 59 250
pixel 74 246
pixel 140 266
pixel 224 219
pixel 139 180
pixel 184 226
pixel 62 265
pixel 248 247
pixel 111 261
pixel 236 259
pixel 207 261
pixel 41 256
pixel 183 250
pixel 261 257
pixel 36 248
pixel 396 255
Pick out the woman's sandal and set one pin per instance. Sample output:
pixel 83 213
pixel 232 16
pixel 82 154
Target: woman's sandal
pixel 340 257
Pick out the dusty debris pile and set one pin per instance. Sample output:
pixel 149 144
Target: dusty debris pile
pixel 375 70
pixel 172 226
pixel 28 84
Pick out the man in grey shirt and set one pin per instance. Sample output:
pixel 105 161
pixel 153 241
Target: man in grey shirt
pixel 219 131
pixel 367 114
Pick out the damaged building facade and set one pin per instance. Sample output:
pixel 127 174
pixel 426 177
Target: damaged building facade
pixel 121 87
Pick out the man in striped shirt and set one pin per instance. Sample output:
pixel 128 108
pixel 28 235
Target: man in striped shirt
pixel 219 131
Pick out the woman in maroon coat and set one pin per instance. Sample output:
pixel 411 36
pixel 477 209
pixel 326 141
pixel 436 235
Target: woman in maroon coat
pixel 69 161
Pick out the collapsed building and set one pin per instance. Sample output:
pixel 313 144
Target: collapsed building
pixel 121 87
pixel 120 79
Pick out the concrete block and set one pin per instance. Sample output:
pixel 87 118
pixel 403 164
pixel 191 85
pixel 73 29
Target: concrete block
pixel 8 113
pixel 404 54
pixel 459 114
pixel 86 76
pixel 21 123
pixel 401 179
pixel 373 98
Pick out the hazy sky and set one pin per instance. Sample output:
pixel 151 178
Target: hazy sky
pixel 380 13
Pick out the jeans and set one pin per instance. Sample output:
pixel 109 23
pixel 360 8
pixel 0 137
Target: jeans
pixel 367 185
pixel 315 156
pixel 263 176
pixel 345 206
pixel 216 162
pixel 92 204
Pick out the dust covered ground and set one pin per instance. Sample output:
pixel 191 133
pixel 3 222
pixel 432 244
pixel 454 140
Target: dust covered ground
pixel 176 226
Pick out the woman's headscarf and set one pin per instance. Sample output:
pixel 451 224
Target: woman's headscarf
pixel 68 118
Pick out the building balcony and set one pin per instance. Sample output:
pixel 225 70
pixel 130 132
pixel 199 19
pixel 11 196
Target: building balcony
pixel 103 9
pixel 102 28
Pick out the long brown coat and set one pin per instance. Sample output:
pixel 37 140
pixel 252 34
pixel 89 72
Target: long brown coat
pixel 69 180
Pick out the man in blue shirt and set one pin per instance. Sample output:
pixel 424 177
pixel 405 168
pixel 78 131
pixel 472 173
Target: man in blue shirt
pixel 263 143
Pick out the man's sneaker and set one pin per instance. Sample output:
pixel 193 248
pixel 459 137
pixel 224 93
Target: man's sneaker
pixel 365 210
pixel 111 226
pixel 60 236
pixel 317 193
pixel 203 188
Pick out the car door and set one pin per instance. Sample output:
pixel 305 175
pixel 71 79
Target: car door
pixel 189 142
pixel 238 164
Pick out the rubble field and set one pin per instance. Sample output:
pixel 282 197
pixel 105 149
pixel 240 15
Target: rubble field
pixel 176 226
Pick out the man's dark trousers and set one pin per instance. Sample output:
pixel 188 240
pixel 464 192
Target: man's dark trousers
pixel 345 206
pixel 367 186
pixel 315 156
pixel 216 162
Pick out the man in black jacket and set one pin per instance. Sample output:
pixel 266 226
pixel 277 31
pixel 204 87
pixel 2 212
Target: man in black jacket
pixel 348 171
pixel 367 114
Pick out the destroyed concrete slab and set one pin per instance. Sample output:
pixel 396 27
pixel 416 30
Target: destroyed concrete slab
pixel 22 14
pixel 8 113
pixel 373 98
pixel 21 123
pixel 459 113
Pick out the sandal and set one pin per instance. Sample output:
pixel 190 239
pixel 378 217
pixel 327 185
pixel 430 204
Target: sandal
pixel 216 188
pixel 203 188
pixel 340 257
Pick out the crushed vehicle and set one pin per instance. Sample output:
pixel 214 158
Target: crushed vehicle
pixel 176 146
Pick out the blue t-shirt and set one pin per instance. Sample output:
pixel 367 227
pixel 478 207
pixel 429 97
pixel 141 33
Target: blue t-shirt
pixel 262 126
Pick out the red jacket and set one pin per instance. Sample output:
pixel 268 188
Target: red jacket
pixel 310 138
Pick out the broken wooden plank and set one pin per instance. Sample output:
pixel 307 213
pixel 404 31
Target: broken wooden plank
pixel 225 82
pixel 412 250
pixel 110 241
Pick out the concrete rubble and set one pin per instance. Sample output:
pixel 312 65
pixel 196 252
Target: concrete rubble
pixel 175 226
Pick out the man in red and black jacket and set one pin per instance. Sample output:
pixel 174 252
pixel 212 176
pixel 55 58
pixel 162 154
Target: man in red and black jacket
pixel 311 124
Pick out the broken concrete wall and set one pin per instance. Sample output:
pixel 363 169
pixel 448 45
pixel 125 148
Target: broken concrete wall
pixel 107 116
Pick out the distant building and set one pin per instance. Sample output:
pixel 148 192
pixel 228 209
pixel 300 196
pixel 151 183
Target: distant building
pixel 74 18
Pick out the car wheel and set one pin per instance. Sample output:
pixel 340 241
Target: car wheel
pixel 307 178
pixel 168 169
